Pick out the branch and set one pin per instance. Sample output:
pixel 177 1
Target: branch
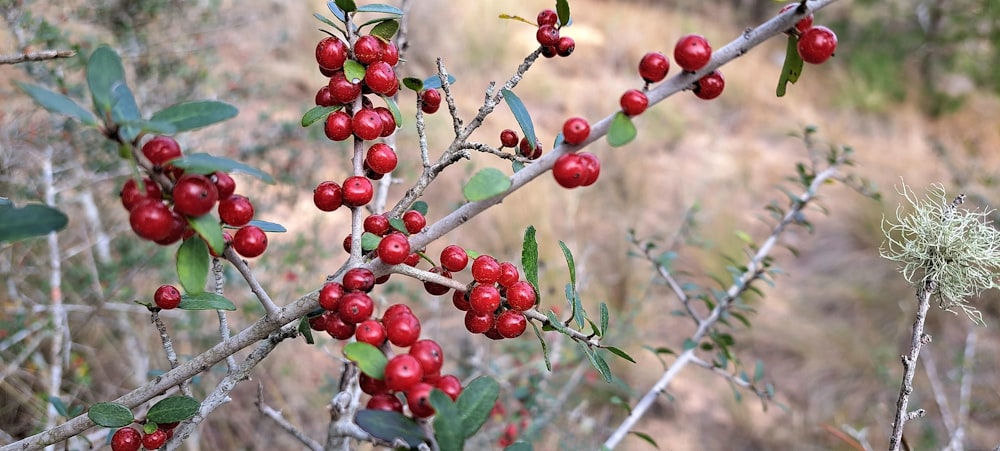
pixel 280 420
pixel 43 55
pixel 241 265
pixel 168 348
pixel 917 340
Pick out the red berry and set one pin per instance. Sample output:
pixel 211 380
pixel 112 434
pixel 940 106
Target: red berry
pixel 460 300
pixel 413 259
pixel 347 243
pixel 418 399
pixel 508 274
pixel 454 258
pixel 817 44
pixel 358 279
pixel 653 67
pixel 368 49
pixel 414 221
pixel 591 168
pixel 223 183
pixel 131 195
pixel 508 138
pixel 194 195
pixel 126 439
pixel 710 86
pixel 402 372
pixel 569 170
pixel 547 17
pixel 155 439
pixel 388 121
pixel 371 385
pixel 547 35
pixel 167 297
pixel 576 130
pixel 357 191
pixel 692 52
pixel 377 224
pixel 634 102
pixel 356 307
pixel 565 46
pixel 151 219
pixel 429 354
pixel 486 269
pixel 381 158
pixel 337 327
pixel 521 296
pixel 331 53
pixel 385 401
pixel 484 299
pixel 236 210
pixel 317 323
pixel 380 77
pixel 394 248
pixel 390 53
pixel 430 101
pixel 161 149
pixel 250 241
pixel 371 332
pixel 396 309
pixel 367 124
pixel 527 151
pixel 478 323
pixel 327 196
pixel 323 97
pixel 342 90
pixel 177 230
pixel 511 323
pixel 450 385
pixel 402 329
pixel 550 51
pixel 801 25
pixel 330 295
pixel 338 126
pixel 437 289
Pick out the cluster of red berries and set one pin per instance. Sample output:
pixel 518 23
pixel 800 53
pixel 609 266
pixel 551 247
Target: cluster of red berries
pixel 378 57
pixel 495 302
pixel 130 439
pixel 508 138
pixel 548 36
pixel 192 195
pixel 816 43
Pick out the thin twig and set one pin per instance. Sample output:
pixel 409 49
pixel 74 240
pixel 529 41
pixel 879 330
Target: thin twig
pixel 43 55
pixel 284 424
pixel 918 339
pixel 223 321
pixel 241 266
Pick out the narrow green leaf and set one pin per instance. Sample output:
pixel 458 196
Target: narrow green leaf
pixel 562 10
pixel 434 82
pixel 268 226
pixel 323 19
pixel 413 83
pixel 521 115
pixel 476 402
pixel 318 113
pixel 517 18
pixel 529 259
pixel 486 183
pixel 570 262
pixel 622 130
pixel 191 115
pixel 123 106
pixel 385 29
pixel 206 301
pixel 620 353
pixel 336 10
pixel 192 265
pixel 28 221
pixel 104 70
pixel 173 409
pixel 370 241
pixel 555 323
pixel 110 415
pixel 645 437
pixel 793 66
pixel 354 72
pixel 598 362
pixel 370 359
pixel 59 405
pixel 605 318
pixel 203 163
pixel 306 330
pixel 593 328
pixel 207 227
pixel 758 371
pixel 545 347
pixel 394 109
pixel 154 127
pixel 447 424
pixel 57 103
pixel 420 207
pixel 390 425
pixel 519 446
pixel 347 6
pixel 380 8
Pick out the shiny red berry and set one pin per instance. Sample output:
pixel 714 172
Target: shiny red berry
pixel 355 307
pixel 368 49
pixel 330 296
pixel 402 330
pixel 454 258
pixel 381 158
pixel 450 385
pixel 250 241
pixel 380 78
pixel 161 149
pixel 634 102
pixel 394 248
pixel 338 328
pixel 151 219
pixel 521 296
pixel 367 124
pixel 511 323
pixel 327 196
pixel 484 299
pixel 508 274
pixel 358 279
pixel 371 332
pixel 236 210
pixel 390 53
pixel 508 138
pixel 155 439
pixel 388 121
pixel 547 35
pixel 710 86
pixel 402 372
pixel 331 53
pixel 126 439
pixel 801 25
pixel 653 67
pixel 460 300
pixel 377 224
pixel 131 195
pixel 591 168
pixel 692 52
pixel 342 90
pixel 430 101
pixel 323 97
pixel 576 130
pixel 385 401
pixel 224 183
pixel 486 269
pixel 568 170
pixel 167 297
pixel 529 152
pixel 194 195
pixel 565 46
pixel 414 221
pixel 338 126
pixel 547 17
pixel 437 289
pixel 370 385
pixel 478 323
pixel 357 191
pixel 418 399
pixel 817 44
pixel 429 354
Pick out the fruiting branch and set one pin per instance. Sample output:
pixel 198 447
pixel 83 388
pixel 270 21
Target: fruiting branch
pixel 43 55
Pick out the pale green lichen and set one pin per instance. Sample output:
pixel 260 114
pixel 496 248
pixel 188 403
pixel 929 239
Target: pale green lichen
pixel 938 241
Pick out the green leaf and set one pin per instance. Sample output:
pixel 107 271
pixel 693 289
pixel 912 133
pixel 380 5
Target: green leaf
pixel 476 402
pixel 605 318
pixel 173 409
pixel 370 360
pixel 569 262
pixel 306 330
pixel 110 415
pixel 123 106
pixel 337 11
pixel 268 226
pixel 545 347
pixel 758 371
pixel 413 83
pixel 386 29
pixel 645 437
pixel 390 425
pixel 556 324
pixel 622 130
pixel 620 353
pixel 447 424
pixel 370 241
pixel 347 6
pixel 104 70
pixel 354 72
pixel 329 22
pixel 318 113
pixel 28 221
pixel 516 166
pixel 521 115
pixel 486 183
pixel 192 115
pixel 154 127
pixel 519 446
pixel 598 362
pixel 793 66
pixel 575 304
pixel 192 265
pixel 57 103
pixel 380 8
pixel 562 9
pixel 59 405
pixel 394 109
pixel 207 227
pixel 529 259
pixel 203 163
pixel 434 82
pixel 517 18
pixel 206 300
pixel 398 225
pixel 420 207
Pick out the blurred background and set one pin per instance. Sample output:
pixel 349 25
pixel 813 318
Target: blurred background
pixel 912 89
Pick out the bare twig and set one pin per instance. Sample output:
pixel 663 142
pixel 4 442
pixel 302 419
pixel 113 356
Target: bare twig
pixel 168 348
pixel 284 424
pixel 241 266
pixel 60 348
pixel 43 55
pixel 223 321
pixel 918 339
